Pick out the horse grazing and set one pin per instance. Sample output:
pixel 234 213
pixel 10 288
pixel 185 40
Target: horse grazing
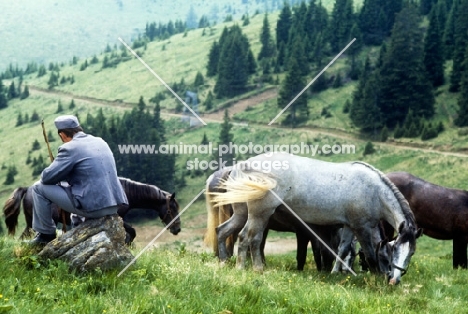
pixel 281 220
pixel 139 195
pixel 441 212
pixel 353 194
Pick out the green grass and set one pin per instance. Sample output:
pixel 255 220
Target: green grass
pixel 176 280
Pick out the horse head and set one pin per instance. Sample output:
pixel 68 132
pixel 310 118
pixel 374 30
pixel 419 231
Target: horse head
pixel 169 214
pixel 403 249
pixel 383 252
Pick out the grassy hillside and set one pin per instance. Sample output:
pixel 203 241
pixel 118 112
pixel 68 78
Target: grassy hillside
pixel 175 279
pixel 181 57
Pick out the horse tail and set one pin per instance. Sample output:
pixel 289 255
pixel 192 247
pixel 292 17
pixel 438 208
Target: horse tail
pixel 244 187
pixel 210 239
pixel 407 213
pixel 12 207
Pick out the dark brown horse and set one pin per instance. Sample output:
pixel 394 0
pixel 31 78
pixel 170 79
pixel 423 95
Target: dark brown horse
pixel 441 212
pixel 139 195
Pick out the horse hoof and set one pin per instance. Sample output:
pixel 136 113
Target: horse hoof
pixel 258 270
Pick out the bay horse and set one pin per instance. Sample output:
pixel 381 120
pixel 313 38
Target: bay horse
pixel 441 212
pixel 139 195
pixel 281 220
pixel 352 194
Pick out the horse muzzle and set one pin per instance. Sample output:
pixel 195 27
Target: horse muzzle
pixel 175 230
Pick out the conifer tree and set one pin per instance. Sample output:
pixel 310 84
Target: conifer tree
pixel 236 63
pixel 433 51
pixel 268 48
pixel 12 93
pixel 3 98
pixel 25 92
pixel 292 85
pixel 342 20
pixel 354 49
pixel 449 30
pixel 462 114
pixel 19 119
pixel 404 81
pixel 213 59
pixel 460 44
pixel 372 22
pixel 225 138
pixel 283 25
pixel 199 80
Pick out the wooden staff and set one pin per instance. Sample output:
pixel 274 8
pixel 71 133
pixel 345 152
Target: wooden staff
pixel 51 157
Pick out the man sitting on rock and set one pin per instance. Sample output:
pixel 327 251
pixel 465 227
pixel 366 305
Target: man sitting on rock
pixel 87 165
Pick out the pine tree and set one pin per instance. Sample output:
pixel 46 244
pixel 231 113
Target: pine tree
pixel 10 177
pixel 462 114
pixel 235 64
pixel 460 44
pixel 283 25
pixel 199 80
pixel 25 93
pixel 19 119
pixel 268 48
pixel 226 138
pixel 3 98
pixel 72 105
pixel 342 20
pixel 372 22
pixel 433 51
pixel 12 93
pixel 59 107
pixel 354 49
pixel 425 6
pixel 404 81
pixel 449 30
pixel 213 59
pixel 292 85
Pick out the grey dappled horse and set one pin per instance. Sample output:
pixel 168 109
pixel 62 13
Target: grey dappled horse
pixel 353 194
pixel 281 220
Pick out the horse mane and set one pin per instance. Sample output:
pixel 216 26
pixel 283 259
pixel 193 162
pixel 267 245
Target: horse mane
pixel 408 214
pixel 134 189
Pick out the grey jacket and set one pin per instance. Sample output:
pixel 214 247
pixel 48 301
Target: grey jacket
pixel 88 165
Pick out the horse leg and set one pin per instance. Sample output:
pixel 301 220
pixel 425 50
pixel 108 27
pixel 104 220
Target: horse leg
pixel 344 248
pixel 301 254
pixel 130 233
pixel 364 236
pixel 459 252
pixel 231 226
pixel 262 246
pixel 332 237
pixel 251 237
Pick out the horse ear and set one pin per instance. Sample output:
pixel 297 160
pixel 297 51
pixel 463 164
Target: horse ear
pixel 419 233
pixel 172 196
pixel 401 227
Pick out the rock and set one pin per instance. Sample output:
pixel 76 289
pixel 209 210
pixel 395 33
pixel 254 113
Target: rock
pixel 94 243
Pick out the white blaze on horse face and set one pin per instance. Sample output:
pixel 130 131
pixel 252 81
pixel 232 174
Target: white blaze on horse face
pixel 402 256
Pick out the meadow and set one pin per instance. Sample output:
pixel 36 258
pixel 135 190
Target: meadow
pixel 175 279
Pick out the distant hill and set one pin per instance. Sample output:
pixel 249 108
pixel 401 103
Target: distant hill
pixel 56 31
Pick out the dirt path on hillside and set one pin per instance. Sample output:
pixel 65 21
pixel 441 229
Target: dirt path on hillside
pixel 242 105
